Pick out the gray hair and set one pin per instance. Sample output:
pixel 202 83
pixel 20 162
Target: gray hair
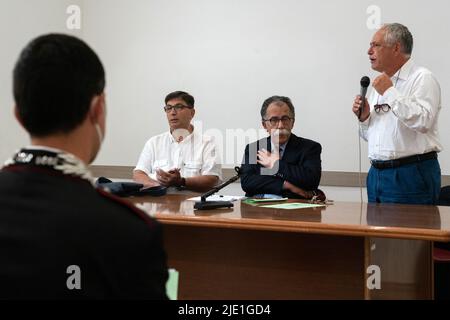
pixel 396 32
pixel 278 100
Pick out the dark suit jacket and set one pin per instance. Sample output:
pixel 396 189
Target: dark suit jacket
pixel 50 221
pixel 300 165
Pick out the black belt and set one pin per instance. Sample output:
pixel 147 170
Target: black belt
pixel 389 164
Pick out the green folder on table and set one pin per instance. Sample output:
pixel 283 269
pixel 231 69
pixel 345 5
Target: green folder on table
pixel 256 201
pixel 172 284
pixel 293 205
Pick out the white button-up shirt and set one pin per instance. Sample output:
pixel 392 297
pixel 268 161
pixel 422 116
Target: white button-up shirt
pixel 196 155
pixel 411 125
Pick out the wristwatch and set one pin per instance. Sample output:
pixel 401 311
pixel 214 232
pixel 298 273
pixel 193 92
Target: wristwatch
pixel 182 184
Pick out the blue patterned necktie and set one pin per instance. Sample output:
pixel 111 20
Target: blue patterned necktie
pixel 280 152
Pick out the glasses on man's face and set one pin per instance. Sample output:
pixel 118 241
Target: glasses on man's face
pixel 274 121
pixel 375 45
pixel 382 107
pixel 177 108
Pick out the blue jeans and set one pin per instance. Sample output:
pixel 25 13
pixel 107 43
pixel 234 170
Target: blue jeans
pixel 416 183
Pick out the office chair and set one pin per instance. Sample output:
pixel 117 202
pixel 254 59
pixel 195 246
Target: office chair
pixel 441 257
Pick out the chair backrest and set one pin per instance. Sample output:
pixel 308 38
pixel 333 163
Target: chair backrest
pixel 444 197
pixel 441 251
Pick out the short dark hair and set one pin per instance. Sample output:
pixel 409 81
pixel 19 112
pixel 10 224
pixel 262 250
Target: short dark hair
pixel 186 97
pixel 55 79
pixel 277 100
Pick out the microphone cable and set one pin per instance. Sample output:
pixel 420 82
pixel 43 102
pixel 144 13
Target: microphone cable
pixel 360 161
pixel 365 82
pixel 360 174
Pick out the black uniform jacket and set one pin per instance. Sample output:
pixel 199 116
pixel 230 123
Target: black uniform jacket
pixel 51 224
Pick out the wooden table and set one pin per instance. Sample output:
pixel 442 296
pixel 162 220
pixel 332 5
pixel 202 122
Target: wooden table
pixel 251 252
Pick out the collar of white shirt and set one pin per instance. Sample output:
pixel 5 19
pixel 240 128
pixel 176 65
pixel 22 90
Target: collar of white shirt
pixel 405 70
pixel 185 139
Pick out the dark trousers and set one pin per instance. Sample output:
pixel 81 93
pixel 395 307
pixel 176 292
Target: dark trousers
pixel 415 183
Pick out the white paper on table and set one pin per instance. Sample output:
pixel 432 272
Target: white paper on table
pixel 219 198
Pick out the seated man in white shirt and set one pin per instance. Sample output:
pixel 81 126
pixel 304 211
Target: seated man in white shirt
pixel 181 157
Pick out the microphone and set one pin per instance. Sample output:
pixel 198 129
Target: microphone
pixel 207 205
pixel 365 82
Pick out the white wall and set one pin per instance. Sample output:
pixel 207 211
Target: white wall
pixel 20 21
pixel 232 54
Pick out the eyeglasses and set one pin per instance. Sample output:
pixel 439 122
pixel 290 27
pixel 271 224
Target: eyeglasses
pixel 177 107
pixel 382 107
pixel 374 45
pixel 275 120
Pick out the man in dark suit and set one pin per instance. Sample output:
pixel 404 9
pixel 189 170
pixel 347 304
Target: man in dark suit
pixel 60 238
pixel 282 164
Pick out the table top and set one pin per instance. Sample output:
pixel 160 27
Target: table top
pixel 341 218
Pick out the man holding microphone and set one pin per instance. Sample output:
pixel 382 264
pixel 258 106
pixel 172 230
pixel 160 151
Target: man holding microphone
pixel 400 123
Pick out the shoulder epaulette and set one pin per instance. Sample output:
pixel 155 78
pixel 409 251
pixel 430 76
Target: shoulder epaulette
pixel 148 220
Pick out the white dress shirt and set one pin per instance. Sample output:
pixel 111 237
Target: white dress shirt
pixel 196 155
pixel 411 125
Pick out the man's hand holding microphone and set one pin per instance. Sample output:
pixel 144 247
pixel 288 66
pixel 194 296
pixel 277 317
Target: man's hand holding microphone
pixel 361 106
